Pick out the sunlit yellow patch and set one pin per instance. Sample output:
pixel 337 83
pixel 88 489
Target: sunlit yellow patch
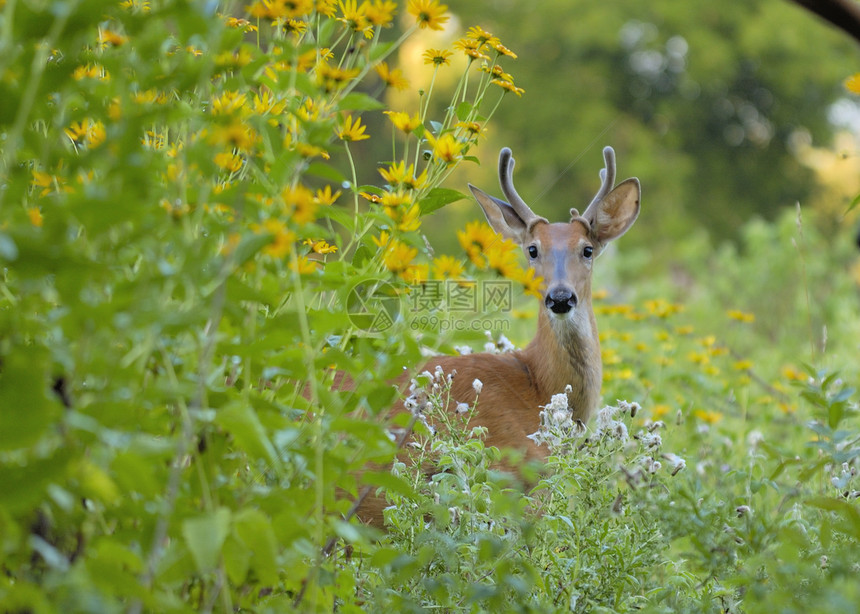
pixel 35 216
pixel 710 417
pixel 852 83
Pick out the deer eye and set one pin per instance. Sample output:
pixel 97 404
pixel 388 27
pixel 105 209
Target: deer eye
pixel 533 251
pixel 587 251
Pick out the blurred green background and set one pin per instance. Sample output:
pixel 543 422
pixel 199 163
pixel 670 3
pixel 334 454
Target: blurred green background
pixel 726 111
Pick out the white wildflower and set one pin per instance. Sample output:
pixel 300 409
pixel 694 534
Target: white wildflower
pixel 743 510
pixel 504 344
pixel 463 350
pixel 477 385
pixel 462 408
pixel 651 465
pixel 754 439
pixel 650 439
pixel 676 463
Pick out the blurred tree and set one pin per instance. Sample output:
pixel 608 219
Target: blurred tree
pixel 702 101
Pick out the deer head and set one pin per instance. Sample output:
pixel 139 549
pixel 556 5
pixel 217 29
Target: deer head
pixel 563 253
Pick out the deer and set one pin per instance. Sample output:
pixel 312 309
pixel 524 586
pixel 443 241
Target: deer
pixel 564 355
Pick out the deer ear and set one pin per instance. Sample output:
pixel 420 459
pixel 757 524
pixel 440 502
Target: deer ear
pixel 500 215
pixel 615 214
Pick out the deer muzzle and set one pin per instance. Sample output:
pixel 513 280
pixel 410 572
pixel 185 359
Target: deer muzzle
pixel 560 300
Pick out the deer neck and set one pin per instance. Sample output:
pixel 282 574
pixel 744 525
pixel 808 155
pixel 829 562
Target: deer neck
pixel 566 352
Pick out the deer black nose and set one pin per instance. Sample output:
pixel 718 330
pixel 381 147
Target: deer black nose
pixel 560 300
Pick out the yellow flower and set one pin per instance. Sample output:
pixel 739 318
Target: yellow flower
pixel 355 18
pixel 471 48
pixel 282 238
pixel 228 103
pixel 531 282
pixel 684 330
pixel 242 24
pixel 508 86
pixel 380 13
pixel 437 57
pixel 228 161
pixel 852 83
pixel 326 7
pixel 502 258
pixel 473 129
pixel 790 372
pixel 236 134
pixel 743 365
pixel 711 417
pixel 300 203
pixel 475 239
pixel 428 13
pixel 86 133
pixel 399 175
pixel 109 37
pixel 410 220
pixel 91 71
pixel 477 33
pixel 265 103
pixel 416 274
pixel 382 240
pixel 445 148
pixel 740 316
pixel 497 72
pixel 393 77
pixel 402 121
pixel 660 410
pixel 398 256
pixel 324 196
pixel 320 246
pixel 333 78
pixel 502 50
pixel 447 267
pixel 352 131
pixel 35 216
pixel 304 265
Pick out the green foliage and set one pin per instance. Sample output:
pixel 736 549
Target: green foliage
pixel 701 101
pixel 187 246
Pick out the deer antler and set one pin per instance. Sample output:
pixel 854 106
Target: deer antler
pixel 607 178
pixel 506 179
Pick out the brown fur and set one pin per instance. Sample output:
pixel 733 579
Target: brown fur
pixel 565 350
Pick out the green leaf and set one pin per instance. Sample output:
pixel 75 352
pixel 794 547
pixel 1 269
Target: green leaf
pixel 357 101
pixel 848 511
pixel 325 171
pixel 438 198
pixel 254 529
pixel 243 425
pixel 205 536
pixel 463 110
pixel 26 410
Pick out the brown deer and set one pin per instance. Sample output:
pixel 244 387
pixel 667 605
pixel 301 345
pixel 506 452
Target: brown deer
pixel 565 351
